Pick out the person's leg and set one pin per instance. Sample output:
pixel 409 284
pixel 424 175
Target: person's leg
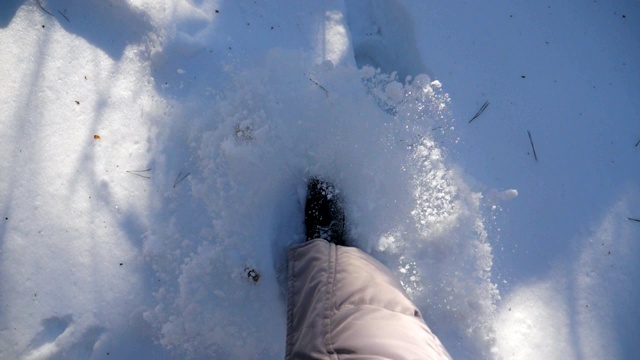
pixel 343 304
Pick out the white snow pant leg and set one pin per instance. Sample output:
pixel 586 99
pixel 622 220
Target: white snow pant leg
pixel 343 304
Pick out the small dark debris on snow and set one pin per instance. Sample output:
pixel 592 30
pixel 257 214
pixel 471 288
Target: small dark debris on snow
pixel 523 76
pixel 121 264
pixel 43 26
pixel 632 219
pixel 77 102
pixel 243 134
pixel 482 109
pixel 6 218
pixel 217 11
pixel 638 143
pixel 96 137
pixel 253 275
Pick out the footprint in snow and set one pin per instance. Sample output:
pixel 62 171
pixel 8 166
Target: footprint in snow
pixel 61 338
pixel 383 37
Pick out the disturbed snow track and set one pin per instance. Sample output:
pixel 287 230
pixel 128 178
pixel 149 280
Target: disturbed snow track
pixel 249 146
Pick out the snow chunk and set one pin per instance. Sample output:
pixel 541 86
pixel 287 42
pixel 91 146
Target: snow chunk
pixel 394 91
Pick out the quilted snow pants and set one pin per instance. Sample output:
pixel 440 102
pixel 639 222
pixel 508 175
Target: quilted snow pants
pixel 343 304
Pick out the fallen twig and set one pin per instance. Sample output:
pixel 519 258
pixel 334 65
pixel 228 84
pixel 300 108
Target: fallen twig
pixel 42 8
pixel 64 16
pixel 632 219
pixel 638 143
pixel 140 173
pixel 326 92
pixel 179 179
pixel 482 109
pixel 532 147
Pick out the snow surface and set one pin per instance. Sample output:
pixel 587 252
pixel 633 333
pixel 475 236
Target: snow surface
pixel 154 156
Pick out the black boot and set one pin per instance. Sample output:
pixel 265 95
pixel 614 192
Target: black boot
pixel 323 214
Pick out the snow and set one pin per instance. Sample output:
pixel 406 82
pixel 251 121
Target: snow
pixel 154 157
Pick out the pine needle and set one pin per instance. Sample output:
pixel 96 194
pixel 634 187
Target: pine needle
pixel 482 109
pixel 179 179
pixel 532 147
pixel 140 173
pixel 64 16
pixel 42 8
pixel 326 92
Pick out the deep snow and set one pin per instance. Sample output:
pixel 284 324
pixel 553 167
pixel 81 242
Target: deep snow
pixel 154 153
